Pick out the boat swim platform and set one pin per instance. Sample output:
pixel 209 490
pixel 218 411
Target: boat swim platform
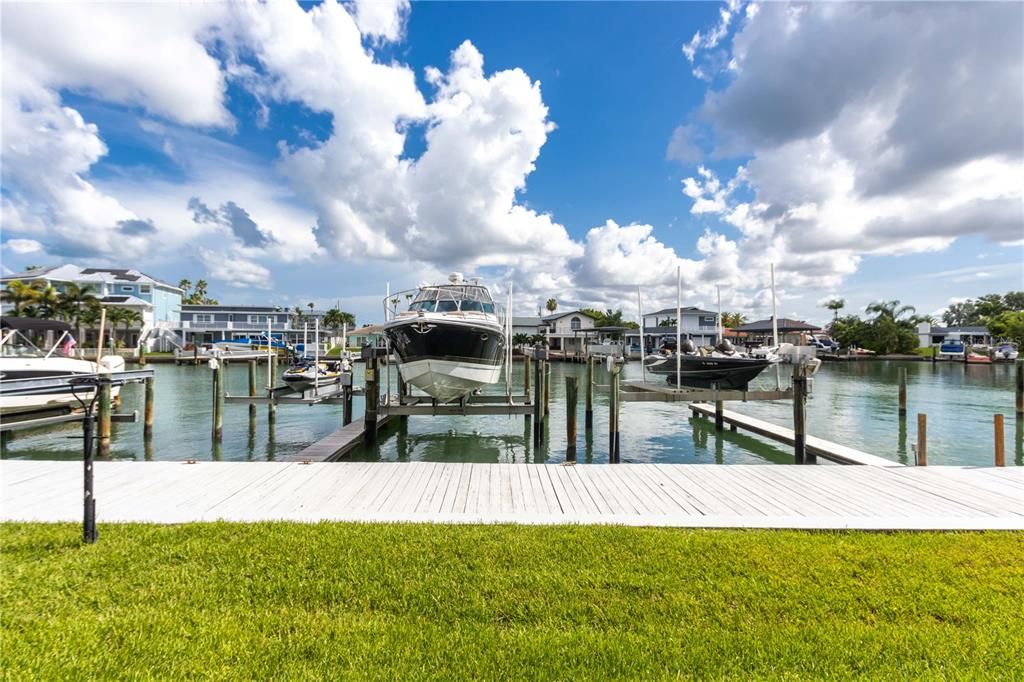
pixel 674 495
pixel 834 452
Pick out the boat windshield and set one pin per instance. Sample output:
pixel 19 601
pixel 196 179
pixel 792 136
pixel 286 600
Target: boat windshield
pixel 16 344
pixel 449 299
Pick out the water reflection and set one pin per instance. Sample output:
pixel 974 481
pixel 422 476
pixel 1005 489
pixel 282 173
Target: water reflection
pixel 852 403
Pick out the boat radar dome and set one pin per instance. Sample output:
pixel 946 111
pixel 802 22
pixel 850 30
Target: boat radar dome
pixel 455 278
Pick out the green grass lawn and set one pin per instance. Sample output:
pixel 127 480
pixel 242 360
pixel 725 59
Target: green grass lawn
pixel 289 601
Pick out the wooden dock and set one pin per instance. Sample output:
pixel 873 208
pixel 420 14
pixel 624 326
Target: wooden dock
pixel 684 495
pixel 815 446
pixel 336 444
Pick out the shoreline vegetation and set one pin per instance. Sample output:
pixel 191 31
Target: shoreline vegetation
pixel 408 601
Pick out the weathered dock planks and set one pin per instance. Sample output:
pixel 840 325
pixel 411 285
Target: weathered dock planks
pixel 815 446
pixel 684 495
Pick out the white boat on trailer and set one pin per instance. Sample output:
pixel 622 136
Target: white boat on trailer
pixel 450 341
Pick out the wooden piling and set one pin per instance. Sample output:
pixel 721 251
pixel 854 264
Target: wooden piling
pixel 547 388
pixel 997 422
pixel 372 396
pixel 588 414
pixel 252 389
pixel 218 402
pixel 613 419
pixel 1020 389
pixel 526 374
pixel 103 416
pixel 571 384
pixel 903 391
pixel 539 397
pixel 800 455
pixel 147 419
pixel 922 440
pixel 272 406
pixel 719 418
pixel 142 355
pixel 935 354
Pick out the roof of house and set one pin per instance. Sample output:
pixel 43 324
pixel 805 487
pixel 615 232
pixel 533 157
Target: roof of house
pixel 670 330
pixel 980 330
pixel 33 324
pixel 204 308
pixel 558 316
pixel 526 321
pixel 785 325
pixel 72 273
pixel 691 309
pixel 126 301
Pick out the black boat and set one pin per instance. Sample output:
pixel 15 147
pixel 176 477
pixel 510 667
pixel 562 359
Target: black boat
pixel 723 367
pixel 450 341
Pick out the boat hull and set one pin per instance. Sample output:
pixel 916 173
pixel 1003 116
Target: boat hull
pixel 447 360
pixel 24 401
pixel 707 372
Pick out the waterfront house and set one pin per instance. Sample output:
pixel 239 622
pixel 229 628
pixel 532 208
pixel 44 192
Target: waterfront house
pixel 214 323
pixel 157 302
pixel 698 324
pixel 527 325
pixel 928 335
pixel 759 333
pixel 567 333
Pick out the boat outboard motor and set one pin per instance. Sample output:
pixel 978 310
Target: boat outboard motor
pixel 725 347
pixel 686 346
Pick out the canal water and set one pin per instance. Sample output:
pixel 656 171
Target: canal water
pixel 852 403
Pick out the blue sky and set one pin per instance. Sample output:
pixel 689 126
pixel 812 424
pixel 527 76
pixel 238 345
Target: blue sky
pixel 588 155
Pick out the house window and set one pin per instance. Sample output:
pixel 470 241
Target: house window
pixel 144 289
pixel 707 320
pixel 128 289
pixel 257 319
pixel 574 324
pixel 202 317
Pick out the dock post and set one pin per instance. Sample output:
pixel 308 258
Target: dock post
pixel 719 417
pixel 142 355
pixel 613 419
pixel 547 388
pixel 800 455
pixel 89 533
pixel 571 384
pixel 147 418
pixel 935 355
pixel 922 440
pixel 346 405
pixel 1020 390
pixel 252 389
pixel 997 422
pixel 103 417
pixel 272 406
pixel 526 375
pixel 588 414
pixel 538 396
pixel 903 391
pixel 218 401
pixel 371 396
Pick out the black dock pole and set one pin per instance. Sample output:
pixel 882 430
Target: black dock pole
pixel 903 392
pixel 588 414
pixel 613 418
pixel 800 455
pixel 571 384
pixel 372 396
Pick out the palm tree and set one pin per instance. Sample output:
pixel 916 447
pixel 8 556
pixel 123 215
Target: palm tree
pixel 520 340
pixel 128 318
pixel 48 303
pixel 732 320
pixel 20 294
pixel 114 317
pixel 184 285
pixel 891 310
pixel 835 305
pixel 298 316
pixel 551 305
pixel 72 301
pixel 310 306
pixel 90 316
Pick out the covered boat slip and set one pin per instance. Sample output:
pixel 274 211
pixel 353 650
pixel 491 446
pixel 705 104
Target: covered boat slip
pixel 682 495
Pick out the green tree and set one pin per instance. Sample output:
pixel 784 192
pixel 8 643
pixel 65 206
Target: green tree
pixel 551 305
pixel 851 331
pixel 520 340
pixel 298 316
pixel 889 309
pixel 184 285
pixel 538 339
pixel 667 322
pixel 835 305
pixel 48 303
pixel 128 317
pixel 20 295
pixel 732 320
pixel 1008 325
pixel 73 301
